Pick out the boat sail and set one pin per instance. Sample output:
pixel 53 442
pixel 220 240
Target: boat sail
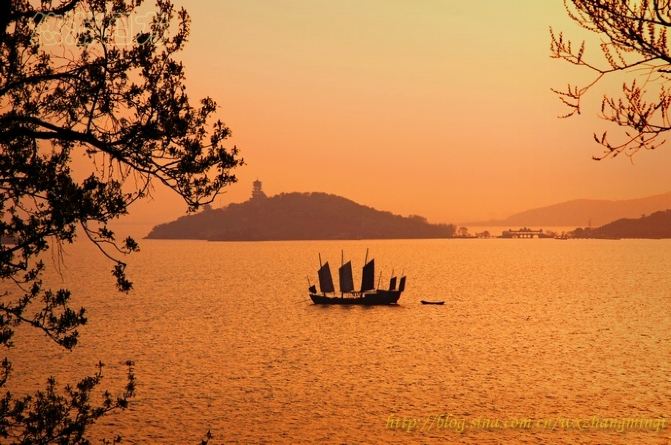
pixel 325 279
pixel 368 277
pixel 345 278
pixel 392 283
pixel 401 285
pixel 368 295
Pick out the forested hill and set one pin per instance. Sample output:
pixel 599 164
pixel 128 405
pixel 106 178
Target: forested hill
pixel 298 216
pixel 655 225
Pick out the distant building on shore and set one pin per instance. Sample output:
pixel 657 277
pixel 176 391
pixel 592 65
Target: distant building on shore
pixel 257 190
pixel 524 232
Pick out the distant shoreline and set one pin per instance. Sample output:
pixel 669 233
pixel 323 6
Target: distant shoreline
pixel 398 239
pixel 320 216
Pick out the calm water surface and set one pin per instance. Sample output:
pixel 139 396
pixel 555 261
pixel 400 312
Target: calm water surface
pixel 224 338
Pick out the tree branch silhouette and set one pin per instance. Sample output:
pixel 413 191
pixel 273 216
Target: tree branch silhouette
pixel 634 42
pixel 88 90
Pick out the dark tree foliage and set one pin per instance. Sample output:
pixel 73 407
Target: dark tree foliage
pixel 633 37
pixel 96 81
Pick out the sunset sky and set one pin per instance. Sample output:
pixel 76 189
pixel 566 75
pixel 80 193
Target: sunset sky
pixel 437 108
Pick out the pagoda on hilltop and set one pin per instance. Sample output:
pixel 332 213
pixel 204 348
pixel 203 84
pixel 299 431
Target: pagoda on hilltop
pixel 257 190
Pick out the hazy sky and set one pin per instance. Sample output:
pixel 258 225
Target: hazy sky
pixel 438 108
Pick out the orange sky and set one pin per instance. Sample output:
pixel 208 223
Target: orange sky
pixel 438 108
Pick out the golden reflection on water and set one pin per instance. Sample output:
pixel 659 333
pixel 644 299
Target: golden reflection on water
pixel 224 338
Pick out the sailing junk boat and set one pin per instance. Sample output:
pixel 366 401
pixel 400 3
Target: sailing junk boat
pixel 368 295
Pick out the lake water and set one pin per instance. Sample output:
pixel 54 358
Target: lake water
pixel 539 341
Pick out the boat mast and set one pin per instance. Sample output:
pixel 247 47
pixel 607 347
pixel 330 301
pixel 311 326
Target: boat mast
pixel 342 263
pixel 364 263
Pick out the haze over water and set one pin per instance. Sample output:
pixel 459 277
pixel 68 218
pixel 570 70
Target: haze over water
pixel 224 338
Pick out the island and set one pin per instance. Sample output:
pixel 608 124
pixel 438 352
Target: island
pixel 657 225
pixel 298 216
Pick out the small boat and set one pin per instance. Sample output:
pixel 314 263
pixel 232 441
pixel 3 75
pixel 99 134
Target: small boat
pixel 367 295
pixel 432 302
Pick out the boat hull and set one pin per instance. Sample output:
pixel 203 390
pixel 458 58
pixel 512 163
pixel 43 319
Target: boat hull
pixel 377 298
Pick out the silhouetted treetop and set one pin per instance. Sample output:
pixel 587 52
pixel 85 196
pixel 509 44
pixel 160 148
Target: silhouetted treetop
pixel 97 82
pixel 634 41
